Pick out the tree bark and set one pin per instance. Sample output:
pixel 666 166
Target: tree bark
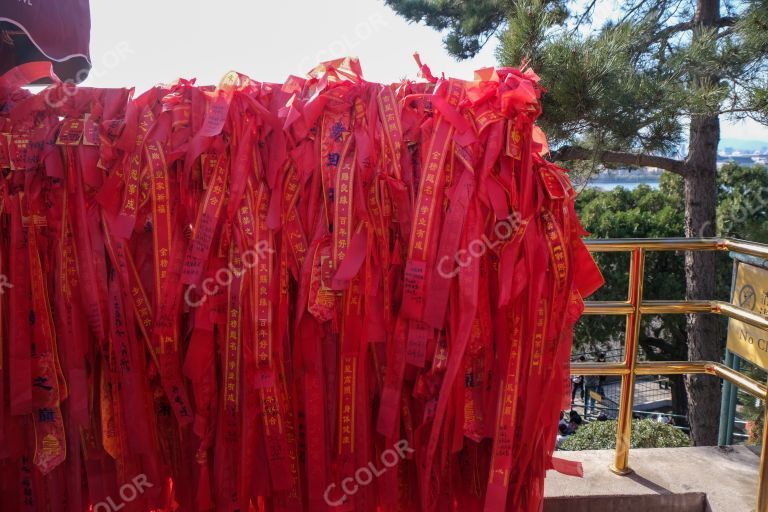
pixel 679 395
pixel 704 341
pixel 704 338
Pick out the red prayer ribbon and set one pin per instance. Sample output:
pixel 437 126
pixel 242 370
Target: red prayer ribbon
pixel 327 294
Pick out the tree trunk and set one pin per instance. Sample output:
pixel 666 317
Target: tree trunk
pixel 679 396
pixel 704 339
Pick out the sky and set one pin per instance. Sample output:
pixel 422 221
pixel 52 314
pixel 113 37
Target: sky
pixel 142 43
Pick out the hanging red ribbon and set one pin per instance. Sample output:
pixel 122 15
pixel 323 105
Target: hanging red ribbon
pixel 327 294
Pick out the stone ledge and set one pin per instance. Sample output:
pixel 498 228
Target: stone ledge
pixel 664 479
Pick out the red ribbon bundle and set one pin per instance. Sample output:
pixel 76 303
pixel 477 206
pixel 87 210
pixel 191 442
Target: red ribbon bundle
pixel 327 294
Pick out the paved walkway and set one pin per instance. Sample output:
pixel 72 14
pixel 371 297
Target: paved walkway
pixel 664 479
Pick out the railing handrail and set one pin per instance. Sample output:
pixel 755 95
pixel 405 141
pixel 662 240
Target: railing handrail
pixel 678 244
pixel 744 382
pixel 634 307
pixel 663 307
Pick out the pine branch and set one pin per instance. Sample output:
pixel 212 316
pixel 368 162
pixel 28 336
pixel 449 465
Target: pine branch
pixel 666 33
pixel 619 157
pixel 736 110
pixel 587 12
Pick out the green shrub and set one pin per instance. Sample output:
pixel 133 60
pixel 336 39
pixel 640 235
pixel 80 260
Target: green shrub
pixel 601 435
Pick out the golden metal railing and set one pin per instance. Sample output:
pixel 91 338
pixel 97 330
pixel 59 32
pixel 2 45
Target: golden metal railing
pixel 634 307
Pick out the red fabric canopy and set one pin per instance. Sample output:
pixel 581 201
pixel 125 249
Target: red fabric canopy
pixel 58 32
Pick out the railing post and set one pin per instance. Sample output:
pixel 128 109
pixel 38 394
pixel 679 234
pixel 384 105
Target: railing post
pixel 733 401
pixel 624 432
pixel 727 408
pixel 762 476
pixel 725 404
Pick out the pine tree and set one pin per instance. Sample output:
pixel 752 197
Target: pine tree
pixel 623 93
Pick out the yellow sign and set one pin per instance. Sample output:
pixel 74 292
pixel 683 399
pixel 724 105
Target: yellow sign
pixel 750 292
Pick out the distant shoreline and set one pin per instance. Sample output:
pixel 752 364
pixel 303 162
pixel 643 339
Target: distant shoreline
pixel 630 179
pixel 610 185
pixel 625 179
